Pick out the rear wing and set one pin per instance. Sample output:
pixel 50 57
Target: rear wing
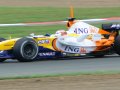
pixel 111 27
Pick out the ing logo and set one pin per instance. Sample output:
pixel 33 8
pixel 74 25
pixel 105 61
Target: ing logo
pixel 83 50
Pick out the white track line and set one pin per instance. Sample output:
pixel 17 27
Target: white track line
pixel 112 19
pixel 33 24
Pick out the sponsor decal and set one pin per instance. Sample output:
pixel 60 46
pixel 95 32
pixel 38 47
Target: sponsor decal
pixel 72 49
pixel 83 50
pixel 80 30
pixel 116 26
pixel 75 49
pixel 45 41
pixel 91 29
pixel 47 54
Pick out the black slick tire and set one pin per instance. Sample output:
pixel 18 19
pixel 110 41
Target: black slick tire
pixel 25 50
pixel 117 45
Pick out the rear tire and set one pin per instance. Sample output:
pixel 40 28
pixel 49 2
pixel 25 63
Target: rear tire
pixel 117 45
pixel 25 50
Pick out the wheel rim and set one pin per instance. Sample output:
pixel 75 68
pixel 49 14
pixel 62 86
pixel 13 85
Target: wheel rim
pixel 29 50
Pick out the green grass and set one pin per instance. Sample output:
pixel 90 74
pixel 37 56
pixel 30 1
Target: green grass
pixel 25 31
pixel 61 74
pixel 31 14
pixel 38 14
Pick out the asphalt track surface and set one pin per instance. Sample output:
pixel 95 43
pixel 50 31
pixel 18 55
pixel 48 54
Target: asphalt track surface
pixel 11 68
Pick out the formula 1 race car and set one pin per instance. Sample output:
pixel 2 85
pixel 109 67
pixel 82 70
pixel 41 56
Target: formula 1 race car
pixel 80 39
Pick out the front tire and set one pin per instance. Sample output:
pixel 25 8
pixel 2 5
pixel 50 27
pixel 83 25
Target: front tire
pixel 25 50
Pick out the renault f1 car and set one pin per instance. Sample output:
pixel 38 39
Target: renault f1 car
pixel 80 39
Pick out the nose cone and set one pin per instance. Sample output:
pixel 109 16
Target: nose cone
pixel 7 44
